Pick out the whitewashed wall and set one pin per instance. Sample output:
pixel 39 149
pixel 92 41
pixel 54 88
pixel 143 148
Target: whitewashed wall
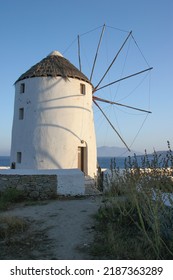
pixel 57 120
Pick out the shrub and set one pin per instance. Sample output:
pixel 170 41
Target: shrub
pixel 134 222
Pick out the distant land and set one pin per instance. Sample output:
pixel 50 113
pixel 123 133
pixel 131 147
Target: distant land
pixel 105 151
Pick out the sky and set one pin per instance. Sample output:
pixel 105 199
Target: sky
pixel 30 30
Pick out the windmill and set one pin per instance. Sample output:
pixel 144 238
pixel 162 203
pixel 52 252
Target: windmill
pixel 53 126
pixel 100 86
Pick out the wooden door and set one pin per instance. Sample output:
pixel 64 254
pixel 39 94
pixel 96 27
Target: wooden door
pixel 81 158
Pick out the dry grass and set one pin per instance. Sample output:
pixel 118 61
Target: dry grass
pixel 134 222
pixel 10 225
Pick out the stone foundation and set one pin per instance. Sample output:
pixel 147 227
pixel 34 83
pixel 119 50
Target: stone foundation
pixel 43 184
pixel 31 186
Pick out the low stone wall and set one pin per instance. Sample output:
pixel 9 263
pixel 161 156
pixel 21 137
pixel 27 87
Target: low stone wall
pixel 36 187
pixel 43 184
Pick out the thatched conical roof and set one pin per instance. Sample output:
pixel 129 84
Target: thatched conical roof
pixel 52 66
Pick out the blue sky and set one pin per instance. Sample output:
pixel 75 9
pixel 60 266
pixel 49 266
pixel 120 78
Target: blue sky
pixel 30 30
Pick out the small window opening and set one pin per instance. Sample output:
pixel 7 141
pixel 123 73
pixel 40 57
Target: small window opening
pixel 82 89
pixel 19 157
pixel 22 88
pixel 21 113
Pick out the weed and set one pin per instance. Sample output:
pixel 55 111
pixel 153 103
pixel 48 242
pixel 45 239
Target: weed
pixel 134 222
pixel 9 196
pixel 10 226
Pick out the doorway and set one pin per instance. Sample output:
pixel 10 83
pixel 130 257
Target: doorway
pixel 82 163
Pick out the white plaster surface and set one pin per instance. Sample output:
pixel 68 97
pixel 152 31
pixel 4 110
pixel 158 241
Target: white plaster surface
pixel 57 120
pixel 56 53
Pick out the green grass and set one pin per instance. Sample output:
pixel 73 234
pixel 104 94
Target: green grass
pixel 9 196
pixel 131 224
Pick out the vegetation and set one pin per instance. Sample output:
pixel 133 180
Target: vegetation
pixel 9 196
pixel 134 221
pixel 10 226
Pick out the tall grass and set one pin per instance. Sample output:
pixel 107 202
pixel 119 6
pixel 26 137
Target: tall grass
pixel 134 222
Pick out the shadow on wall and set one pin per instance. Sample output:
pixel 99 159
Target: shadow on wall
pixel 63 107
pixel 47 157
pixel 59 98
pixel 63 128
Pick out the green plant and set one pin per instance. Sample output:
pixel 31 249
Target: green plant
pixel 10 195
pixel 134 221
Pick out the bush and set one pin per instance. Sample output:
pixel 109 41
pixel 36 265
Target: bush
pixel 134 222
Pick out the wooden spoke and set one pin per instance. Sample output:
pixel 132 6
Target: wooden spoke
pixel 119 104
pixel 95 59
pixel 111 125
pixel 80 66
pixel 124 78
pixel 113 60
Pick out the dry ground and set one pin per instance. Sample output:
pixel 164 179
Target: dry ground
pixel 56 229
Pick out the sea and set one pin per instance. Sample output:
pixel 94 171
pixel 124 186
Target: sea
pixel 103 162
pixel 4 161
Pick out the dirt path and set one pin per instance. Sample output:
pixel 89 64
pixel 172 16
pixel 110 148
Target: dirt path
pixel 58 229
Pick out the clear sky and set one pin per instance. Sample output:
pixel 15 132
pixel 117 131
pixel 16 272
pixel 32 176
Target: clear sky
pixel 30 30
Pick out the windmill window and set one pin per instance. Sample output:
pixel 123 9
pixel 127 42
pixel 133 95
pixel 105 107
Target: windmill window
pixel 82 89
pixel 19 157
pixel 22 88
pixel 21 113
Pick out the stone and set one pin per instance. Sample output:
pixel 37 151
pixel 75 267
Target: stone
pixel 34 194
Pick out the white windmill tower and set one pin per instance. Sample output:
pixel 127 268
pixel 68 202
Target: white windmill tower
pixel 53 124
